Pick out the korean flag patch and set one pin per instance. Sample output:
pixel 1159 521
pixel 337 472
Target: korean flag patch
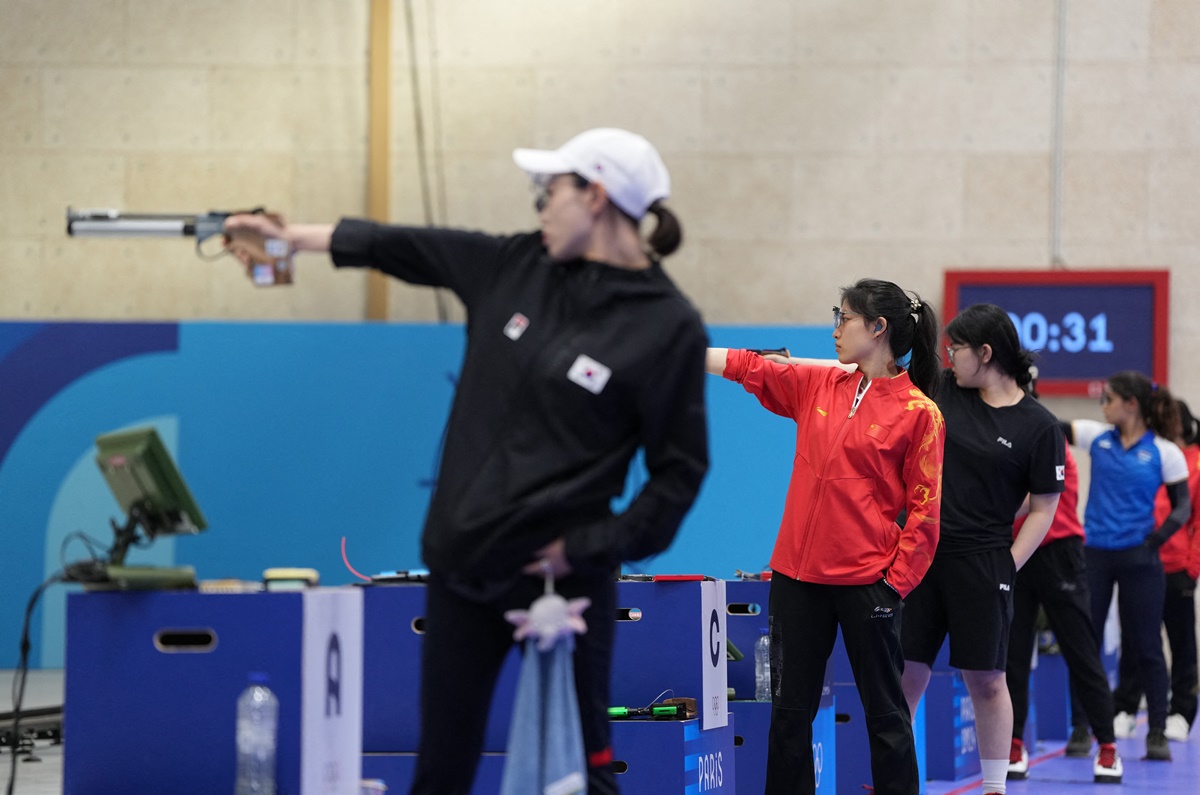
pixel 1060 473
pixel 589 374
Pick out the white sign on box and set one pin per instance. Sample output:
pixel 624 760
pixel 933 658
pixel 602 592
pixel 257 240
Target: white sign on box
pixel 714 710
pixel 331 726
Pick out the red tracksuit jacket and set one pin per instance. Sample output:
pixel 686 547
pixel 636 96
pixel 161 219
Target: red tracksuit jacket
pixel 853 475
pixel 1182 550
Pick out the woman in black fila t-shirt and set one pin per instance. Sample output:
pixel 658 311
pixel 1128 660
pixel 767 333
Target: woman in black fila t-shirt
pixel 1001 445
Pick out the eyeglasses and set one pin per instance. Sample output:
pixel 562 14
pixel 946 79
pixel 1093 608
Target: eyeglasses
pixel 953 349
pixel 541 186
pixel 541 191
pixel 839 317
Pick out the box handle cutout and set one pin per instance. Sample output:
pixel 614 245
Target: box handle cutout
pixel 185 641
pixel 743 608
pixel 418 625
pixel 619 767
pixel 629 614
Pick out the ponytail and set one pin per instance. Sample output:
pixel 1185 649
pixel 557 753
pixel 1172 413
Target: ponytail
pixel 912 326
pixel 988 324
pixel 1189 429
pixel 668 234
pixel 1159 410
pixel 1163 414
pixel 926 365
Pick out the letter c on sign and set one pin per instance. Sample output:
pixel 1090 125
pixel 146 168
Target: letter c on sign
pixel 714 631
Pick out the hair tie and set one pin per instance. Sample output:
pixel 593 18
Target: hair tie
pixel 916 308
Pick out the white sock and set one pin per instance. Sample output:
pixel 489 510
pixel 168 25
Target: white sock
pixel 995 774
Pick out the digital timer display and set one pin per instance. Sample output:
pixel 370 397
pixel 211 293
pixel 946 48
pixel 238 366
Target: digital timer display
pixel 1082 325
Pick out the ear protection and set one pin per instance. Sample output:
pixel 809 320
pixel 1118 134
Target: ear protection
pixel 879 327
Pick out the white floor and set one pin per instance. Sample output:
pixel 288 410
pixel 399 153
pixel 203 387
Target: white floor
pixel 43 777
pixel 42 689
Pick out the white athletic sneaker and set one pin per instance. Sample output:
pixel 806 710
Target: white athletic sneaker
pixel 1124 725
pixel 1107 769
pixel 1018 760
pixel 1177 728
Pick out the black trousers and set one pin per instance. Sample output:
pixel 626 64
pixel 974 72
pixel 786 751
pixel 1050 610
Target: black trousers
pixel 465 644
pixel 1055 579
pixel 1141 587
pixel 1179 618
pixel 804 619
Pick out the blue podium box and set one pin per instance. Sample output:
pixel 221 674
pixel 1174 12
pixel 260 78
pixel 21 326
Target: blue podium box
pixel 951 747
pixel 1051 696
pixel 752 725
pixel 746 603
pixel 853 745
pixel 397 771
pixel 660 757
pixel 651 757
pixel 853 748
pixel 152 680
pixel 1030 731
pixel 393 617
pixel 752 722
pixel 670 641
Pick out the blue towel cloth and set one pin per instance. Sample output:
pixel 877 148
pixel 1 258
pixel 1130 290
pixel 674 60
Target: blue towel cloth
pixel 545 741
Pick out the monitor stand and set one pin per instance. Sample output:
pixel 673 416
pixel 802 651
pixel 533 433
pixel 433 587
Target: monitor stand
pixel 113 575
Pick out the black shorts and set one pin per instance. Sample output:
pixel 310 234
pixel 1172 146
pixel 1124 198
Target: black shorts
pixel 971 599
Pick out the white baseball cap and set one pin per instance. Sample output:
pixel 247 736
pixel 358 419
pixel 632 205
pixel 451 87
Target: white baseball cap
pixel 625 163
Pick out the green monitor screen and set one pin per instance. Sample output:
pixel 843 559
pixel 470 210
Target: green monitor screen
pixel 143 477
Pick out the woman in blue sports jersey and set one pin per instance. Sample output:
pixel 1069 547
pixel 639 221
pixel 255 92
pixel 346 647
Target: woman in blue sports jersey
pixel 1131 460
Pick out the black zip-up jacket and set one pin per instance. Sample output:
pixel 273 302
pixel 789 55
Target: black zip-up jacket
pixel 569 369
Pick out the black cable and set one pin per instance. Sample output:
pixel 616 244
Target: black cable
pixel 92 545
pixel 20 675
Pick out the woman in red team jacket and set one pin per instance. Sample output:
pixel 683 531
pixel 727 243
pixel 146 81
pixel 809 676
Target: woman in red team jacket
pixel 868 451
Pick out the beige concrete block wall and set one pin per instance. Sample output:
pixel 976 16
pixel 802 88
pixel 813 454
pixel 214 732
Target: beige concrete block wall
pixel 811 142
pixel 151 106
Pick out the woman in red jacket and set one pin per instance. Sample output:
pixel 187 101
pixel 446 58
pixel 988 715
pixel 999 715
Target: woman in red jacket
pixel 868 451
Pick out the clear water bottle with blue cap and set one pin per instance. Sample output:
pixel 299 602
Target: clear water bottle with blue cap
pixel 257 730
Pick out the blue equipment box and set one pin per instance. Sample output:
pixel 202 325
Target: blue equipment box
pixel 668 643
pixel 952 749
pixel 397 771
pixel 659 757
pixel 746 603
pixel 651 757
pixel 393 617
pixel 153 677
pixel 752 728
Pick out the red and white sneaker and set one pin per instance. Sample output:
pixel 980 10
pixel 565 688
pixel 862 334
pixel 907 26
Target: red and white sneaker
pixel 1108 768
pixel 1018 760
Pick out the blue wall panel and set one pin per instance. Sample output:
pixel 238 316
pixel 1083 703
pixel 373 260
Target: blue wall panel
pixel 292 436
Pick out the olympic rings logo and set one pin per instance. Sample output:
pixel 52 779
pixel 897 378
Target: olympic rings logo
pixel 818 762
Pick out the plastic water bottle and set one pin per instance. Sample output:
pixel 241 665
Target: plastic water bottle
pixel 257 724
pixel 762 666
